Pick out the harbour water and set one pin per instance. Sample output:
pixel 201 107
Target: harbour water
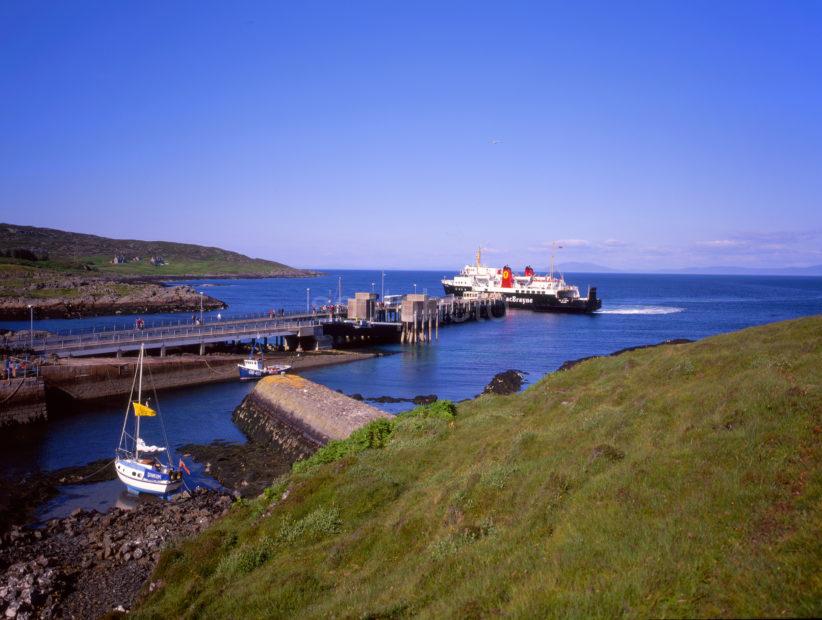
pixel 637 309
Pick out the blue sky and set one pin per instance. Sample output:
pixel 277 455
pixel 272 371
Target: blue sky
pixel 402 135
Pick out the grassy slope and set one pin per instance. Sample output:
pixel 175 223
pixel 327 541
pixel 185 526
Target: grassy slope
pixel 70 251
pixel 677 481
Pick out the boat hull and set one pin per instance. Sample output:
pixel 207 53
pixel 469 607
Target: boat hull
pixel 249 374
pixel 538 302
pixel 139 478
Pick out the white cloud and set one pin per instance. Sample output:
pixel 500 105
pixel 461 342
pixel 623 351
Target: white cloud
pixel 722 243
pixel 573 243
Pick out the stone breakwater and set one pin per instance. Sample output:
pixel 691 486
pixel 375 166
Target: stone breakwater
pixel 299 416
pixel 89 564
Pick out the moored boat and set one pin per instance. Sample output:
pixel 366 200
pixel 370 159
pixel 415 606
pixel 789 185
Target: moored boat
pixel 256 368
pixel 139 466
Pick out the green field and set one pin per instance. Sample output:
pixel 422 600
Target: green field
pixel 677 481
pixel 63 251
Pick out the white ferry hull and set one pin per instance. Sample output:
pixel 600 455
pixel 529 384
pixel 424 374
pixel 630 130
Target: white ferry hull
pixel 536 301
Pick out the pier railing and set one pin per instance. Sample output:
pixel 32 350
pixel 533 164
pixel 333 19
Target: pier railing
pixel 169 335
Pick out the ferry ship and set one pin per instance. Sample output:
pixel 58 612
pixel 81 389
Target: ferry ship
pixel 548 293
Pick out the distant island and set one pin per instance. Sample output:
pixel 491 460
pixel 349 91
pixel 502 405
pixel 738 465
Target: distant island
pixel 67 275
pixel 813 270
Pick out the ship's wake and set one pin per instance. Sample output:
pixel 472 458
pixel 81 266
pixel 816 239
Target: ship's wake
pixel 641 310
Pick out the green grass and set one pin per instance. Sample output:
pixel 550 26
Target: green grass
pixel 16 282
pixel 79 253
pixel 677 481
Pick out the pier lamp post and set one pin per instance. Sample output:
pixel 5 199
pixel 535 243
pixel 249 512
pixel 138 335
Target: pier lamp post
pixel 373 284
pixel 31 327
pixel 201 307
pixel 382 287
pixel 415 288
pixel 308 300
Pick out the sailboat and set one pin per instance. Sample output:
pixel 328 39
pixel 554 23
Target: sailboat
pixel 139 465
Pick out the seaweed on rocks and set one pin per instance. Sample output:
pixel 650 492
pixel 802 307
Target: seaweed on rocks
pixel 504 383
pixel 90 563
pixel 245 469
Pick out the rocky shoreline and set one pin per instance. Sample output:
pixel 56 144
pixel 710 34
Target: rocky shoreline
pixel 89 563
pixel 72 297
pixel 20 498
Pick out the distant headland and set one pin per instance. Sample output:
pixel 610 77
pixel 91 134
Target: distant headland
pixel 67 275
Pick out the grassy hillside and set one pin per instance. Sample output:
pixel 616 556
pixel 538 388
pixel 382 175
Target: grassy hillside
pixel 676 481
pixel 67 251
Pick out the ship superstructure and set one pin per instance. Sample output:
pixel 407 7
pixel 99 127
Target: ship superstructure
pixel 548 293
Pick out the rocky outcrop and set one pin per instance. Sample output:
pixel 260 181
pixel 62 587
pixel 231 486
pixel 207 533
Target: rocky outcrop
pixel 89 563
pixel 299 416
pixel 503 383
pixel 69 297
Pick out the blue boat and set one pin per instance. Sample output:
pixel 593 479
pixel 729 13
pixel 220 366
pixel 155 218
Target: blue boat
pixel 256 368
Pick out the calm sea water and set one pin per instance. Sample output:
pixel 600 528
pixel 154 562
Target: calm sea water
pixel 637 309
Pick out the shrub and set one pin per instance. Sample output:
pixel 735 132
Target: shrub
pixel 318 523
pixel 441 410
pixel 373 435
pixel 247 558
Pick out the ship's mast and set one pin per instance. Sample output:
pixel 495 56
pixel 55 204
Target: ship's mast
pixel 139 400
pixel 553 251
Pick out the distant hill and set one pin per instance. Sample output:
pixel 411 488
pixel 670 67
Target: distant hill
pixel 61 250
pixel 814 270
pixel 580 267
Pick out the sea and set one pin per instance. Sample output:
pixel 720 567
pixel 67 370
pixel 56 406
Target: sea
pixel 637 309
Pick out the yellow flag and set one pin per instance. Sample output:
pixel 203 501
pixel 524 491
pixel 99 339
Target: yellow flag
pixel 142 410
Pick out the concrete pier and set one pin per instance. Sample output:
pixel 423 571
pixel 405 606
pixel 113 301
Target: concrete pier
pixel 299 416
pixel 414 319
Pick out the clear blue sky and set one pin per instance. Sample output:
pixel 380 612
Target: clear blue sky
pixel 387 134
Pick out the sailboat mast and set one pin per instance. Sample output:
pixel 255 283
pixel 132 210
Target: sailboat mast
pixel 139 400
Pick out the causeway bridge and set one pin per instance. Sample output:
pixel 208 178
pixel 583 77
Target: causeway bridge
pixel 289 328
pixel 365 320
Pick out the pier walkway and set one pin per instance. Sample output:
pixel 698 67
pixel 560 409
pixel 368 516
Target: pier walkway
pixel 364 320
pixel 94 342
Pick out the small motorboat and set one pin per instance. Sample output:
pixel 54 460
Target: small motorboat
pixel 139 466
pixel 256 368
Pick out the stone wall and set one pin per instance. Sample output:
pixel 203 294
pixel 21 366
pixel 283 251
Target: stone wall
pixel 114 378
pixel 22 401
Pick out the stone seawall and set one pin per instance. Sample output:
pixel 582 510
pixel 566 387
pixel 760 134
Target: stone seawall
pixel 22 401
pixel 93 379
pixel 299 416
